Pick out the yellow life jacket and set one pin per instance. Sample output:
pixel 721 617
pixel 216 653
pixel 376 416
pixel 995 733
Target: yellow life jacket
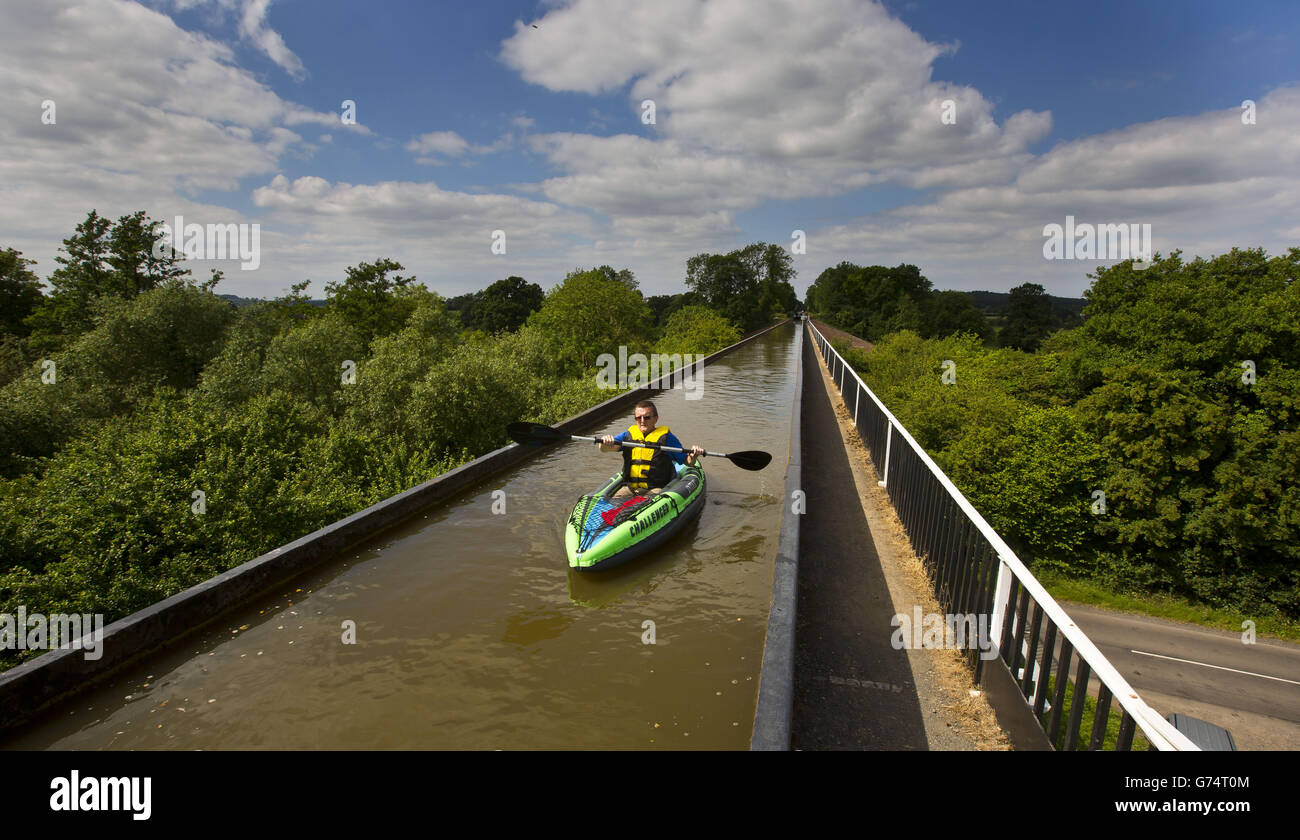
pixel 638 463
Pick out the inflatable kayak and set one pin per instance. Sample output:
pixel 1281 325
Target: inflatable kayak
pixel 606 530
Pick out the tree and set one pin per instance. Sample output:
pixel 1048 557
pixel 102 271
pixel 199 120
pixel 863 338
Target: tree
pixel 663 306
pixel 590 314
pixel 774 267
pixel 697 329
pixel 952 312
pixel 623 276
pixel 870 301
pixel 371 302
pixel 295 307
pixel 20 292
pixel 749 286
pixel 102 259
pixel 160 339
pixel 462 305
pixel 505 305
pixel 1191 374
pixel 1029 318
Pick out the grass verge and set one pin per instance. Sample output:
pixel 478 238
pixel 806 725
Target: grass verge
pixel 1165 606
pixel 1113 719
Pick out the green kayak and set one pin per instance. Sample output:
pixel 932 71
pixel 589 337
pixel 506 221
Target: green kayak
pixel 606 530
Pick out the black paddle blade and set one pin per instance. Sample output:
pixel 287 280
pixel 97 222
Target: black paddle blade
pixel 752 460
pixel 534 434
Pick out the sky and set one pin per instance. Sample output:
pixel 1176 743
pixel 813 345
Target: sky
pixel 500 138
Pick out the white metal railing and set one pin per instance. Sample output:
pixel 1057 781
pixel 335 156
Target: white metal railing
pixel 1158 731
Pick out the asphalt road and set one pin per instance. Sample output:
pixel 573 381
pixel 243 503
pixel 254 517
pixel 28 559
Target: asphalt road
pixel 1204 667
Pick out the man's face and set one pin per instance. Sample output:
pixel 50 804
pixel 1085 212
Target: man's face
pixel 646 419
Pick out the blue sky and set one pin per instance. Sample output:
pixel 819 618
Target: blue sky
pixel 771 116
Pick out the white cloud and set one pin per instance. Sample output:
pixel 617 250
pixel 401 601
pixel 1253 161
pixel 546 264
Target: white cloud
pixel 839 82
pixel 252 25
pixel 778 99
pixel 328 226
pixel 146 115
pixel 758 102
pixel 1205 184
pixel 432 147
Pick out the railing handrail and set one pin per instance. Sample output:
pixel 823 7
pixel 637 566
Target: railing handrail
pixel 1159 731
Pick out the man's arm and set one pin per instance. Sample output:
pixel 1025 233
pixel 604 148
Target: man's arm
pixel 670 439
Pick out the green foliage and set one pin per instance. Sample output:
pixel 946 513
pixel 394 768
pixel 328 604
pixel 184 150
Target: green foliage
pixel 504 306
pixel 696 329
pixel 13 359
pixel 750 287
pixel 308 361
pixel 102 258
pixel 623 275
pixel 949 312
pixel 1033 481
pixel 20 292
pixel 873 300
pixel 380 401
pixel 1029 318
pixel 234 375
pixel 295 307
pixel 663 306
pixel 1028 469
pixel 1150 401
pixel 173 390
pixel 109 526
pixel 162 338
pixel 1200 465
pixel 371 303
pixel 590 314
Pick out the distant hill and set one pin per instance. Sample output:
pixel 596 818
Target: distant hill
pixel 995 303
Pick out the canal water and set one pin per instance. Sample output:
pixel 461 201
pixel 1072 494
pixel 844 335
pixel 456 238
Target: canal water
pixel 471 632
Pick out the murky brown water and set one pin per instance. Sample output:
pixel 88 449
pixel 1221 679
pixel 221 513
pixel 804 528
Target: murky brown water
pixel 471 632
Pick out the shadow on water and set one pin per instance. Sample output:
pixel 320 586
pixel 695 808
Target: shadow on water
pixel 641 576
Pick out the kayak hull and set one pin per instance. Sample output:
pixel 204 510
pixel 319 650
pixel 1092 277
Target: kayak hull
pixel 594 543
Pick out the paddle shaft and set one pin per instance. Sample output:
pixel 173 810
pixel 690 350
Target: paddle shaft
pixel 535 434
pixel 637 444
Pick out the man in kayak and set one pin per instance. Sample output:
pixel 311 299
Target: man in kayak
pixel 646 468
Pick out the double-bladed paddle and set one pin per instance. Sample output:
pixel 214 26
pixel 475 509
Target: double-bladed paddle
pixel 535 434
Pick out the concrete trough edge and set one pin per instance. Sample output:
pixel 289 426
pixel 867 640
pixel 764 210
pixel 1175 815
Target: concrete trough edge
pixel 775 702
pixel 34 686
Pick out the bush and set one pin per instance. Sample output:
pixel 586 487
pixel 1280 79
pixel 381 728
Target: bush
pixel 696 329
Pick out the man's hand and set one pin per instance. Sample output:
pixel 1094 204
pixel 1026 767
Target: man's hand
pixel 696 452
pixel 608 444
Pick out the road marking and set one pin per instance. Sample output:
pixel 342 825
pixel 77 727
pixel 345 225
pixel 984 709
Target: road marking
pixel 1220 667
pixel 883 686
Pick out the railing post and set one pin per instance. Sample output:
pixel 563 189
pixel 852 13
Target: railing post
pixel 1001 594
pixel 889 438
